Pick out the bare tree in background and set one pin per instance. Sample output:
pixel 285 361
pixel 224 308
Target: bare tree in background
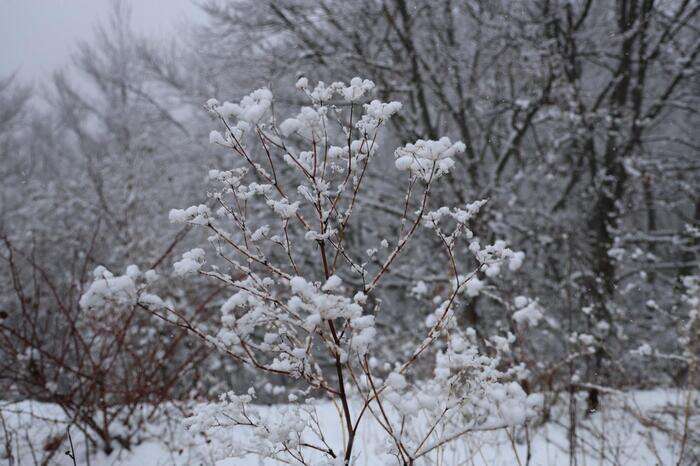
pixel 577 118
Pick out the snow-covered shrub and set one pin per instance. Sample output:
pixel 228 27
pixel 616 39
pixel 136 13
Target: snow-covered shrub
pixel 107 370
pixel 305 302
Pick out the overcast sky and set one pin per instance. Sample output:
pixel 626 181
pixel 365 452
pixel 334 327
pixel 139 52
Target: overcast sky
pixel 37 36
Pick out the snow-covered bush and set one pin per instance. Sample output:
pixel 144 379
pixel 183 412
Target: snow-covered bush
pixel 107 369
pixel 306 305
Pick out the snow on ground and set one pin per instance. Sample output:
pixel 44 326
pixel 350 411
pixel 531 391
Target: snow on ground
pixel 635 429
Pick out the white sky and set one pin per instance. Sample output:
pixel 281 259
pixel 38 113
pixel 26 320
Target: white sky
pixel 37 36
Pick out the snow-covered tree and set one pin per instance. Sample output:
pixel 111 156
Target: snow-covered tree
pixel 577 119
pixel 306 304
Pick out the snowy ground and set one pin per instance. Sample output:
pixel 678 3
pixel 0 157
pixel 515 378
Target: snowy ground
pixel 639 428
